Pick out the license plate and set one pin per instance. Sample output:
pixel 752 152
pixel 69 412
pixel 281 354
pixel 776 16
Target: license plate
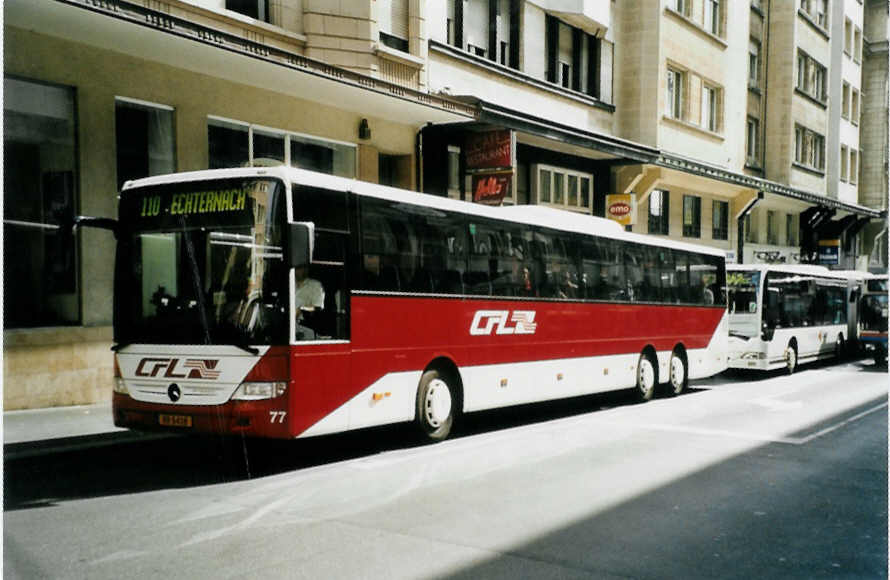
pixel 175 420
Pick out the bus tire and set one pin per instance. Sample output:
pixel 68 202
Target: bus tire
pixel 436 402
pixel 647 376
pixel 678 378
pixel 791 357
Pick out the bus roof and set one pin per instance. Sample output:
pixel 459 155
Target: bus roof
pixel 527 214
pixel 810 269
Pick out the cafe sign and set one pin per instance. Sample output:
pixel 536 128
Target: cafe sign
pixel 489 150
pixel 492 188
pixel 620 207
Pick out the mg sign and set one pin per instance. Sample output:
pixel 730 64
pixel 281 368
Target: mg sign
pixel 620 208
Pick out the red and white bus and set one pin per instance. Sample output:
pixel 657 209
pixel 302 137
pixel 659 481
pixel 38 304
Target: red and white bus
pixel 415 307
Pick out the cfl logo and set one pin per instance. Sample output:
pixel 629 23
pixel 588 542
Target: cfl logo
pixel 166 367
pixel 485 321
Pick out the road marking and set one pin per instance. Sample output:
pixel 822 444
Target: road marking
pixel 842 423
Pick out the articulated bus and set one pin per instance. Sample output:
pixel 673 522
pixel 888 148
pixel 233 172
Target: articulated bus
pixel 873 317
pixel 282 303
pixel 782 316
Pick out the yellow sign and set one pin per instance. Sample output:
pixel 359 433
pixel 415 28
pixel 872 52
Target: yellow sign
pixel 622 208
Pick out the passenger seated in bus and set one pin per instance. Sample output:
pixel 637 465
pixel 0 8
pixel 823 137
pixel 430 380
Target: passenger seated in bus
pixel 568 288
pixel 308 296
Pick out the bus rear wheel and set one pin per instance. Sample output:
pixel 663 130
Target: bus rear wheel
pixel 647 378
pixel 435 405
pixel 679 377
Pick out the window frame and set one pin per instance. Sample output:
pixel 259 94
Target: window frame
pixel 691 216
pixel 661 221
pixel 675 98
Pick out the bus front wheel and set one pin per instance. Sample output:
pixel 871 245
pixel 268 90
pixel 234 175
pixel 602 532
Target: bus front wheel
pixel 791 357
pixel 435 405
pixel 647 378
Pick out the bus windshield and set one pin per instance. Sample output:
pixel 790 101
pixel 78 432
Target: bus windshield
pixel 202 263
pixel 743 288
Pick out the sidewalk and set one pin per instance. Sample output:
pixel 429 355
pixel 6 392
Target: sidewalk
pixel 40 431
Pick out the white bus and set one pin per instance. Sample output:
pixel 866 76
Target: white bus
pixel 781 316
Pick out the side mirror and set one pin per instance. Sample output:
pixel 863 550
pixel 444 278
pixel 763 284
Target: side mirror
pixel 767 332
pixel 301 239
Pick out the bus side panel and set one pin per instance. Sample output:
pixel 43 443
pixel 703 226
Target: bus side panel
pixel 320 383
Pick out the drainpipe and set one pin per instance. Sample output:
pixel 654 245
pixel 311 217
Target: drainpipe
pixel 740 226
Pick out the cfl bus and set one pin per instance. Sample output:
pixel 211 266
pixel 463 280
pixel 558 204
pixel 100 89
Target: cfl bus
pixel 421 308
pixel 783 315
pixel 873 318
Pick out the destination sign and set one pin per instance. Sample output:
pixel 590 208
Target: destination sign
pixel 223 202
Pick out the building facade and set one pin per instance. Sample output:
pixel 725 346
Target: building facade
pixel 726 123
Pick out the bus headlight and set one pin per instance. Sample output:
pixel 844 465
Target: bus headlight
pixel 258 391
pixel 120 386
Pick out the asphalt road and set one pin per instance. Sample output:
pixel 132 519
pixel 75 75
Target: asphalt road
pixel 744 477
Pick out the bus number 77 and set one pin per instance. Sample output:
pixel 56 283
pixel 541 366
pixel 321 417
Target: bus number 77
pixel 277 416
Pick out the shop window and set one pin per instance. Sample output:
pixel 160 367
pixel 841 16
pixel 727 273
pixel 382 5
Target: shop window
pixel 659 212
pixel 563 188
pixel 256 9
pixel 145 140
pixel 238 144
pixel 39 191
pixel 454 172
pixel 691 216
pixel 790 230
pixel 750 225
pixel 772 228
pixel 720 220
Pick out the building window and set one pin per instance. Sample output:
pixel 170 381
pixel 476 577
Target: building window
pixel 848 37
pixel 752 144
pixel 854 166
pixel 563 188
pixel 691 216
pixel 844 155
pixel 854 107
pixel 713 18
pixel 681 6
pixel 392 23
pixel 710 108
pixel 720 220
pixel 39 191
pixel 845 101
pixel 475 26
pixel 754 63
pixel 772 228
pixel 674 99
pixel 857 45
pixel 817 10
pixel 809 148
pixel 237 144
pixel 811 77
pixel 145 140
pixel 573 57
pixel 659 212
pixel 790 230
pixel 256 9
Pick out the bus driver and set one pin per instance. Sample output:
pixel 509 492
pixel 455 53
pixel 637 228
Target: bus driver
pixel 309 295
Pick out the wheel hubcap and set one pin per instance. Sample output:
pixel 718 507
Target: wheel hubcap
pixel 678 374
pixel 647 375
pixel 437 403
pixel 792 358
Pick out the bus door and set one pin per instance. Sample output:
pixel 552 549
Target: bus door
pixel 320 355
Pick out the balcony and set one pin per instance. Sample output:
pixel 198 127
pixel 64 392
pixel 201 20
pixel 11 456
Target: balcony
pixel 588 15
